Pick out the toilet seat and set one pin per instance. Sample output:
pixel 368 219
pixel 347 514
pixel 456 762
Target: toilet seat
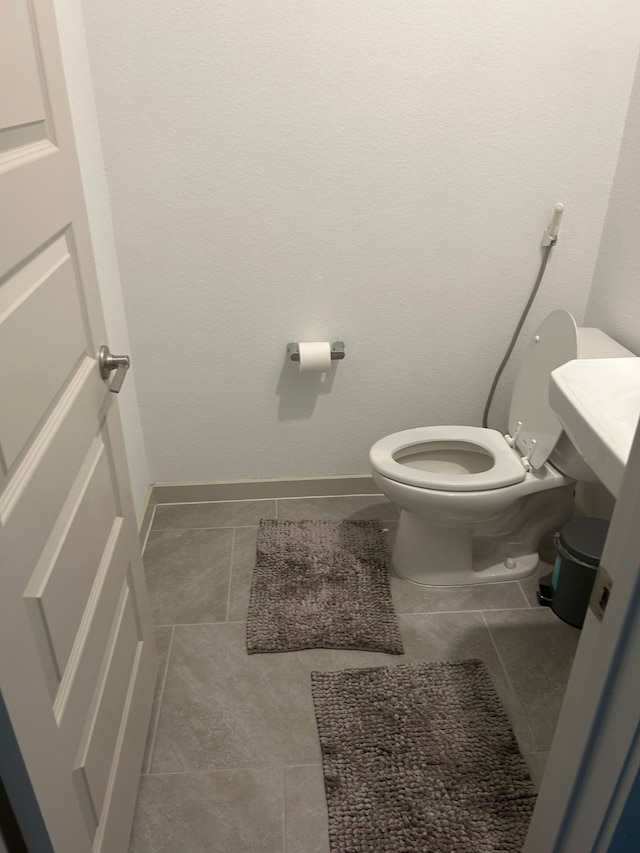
pixel 507 467
pixel 534 429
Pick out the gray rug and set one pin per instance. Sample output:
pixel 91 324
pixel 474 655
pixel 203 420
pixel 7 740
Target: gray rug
pixel 420 757
pixel 322 585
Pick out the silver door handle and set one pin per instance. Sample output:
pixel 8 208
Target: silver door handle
pixel 108 362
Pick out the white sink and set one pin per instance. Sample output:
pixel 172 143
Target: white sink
pixel 597 401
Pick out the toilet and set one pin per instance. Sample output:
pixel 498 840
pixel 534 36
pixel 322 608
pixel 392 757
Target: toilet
pixel 474 504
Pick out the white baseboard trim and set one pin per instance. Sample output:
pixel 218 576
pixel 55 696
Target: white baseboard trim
pixel 247 490
pixel 145 515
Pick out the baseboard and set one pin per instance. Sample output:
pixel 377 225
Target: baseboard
pixel 247 490
pixel 145 515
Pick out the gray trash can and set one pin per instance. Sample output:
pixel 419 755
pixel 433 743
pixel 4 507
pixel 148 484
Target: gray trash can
pixel 579 545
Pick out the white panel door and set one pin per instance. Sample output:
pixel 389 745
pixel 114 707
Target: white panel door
pixel 77 661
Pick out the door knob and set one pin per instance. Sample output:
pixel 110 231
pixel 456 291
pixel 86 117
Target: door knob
pixel 108 362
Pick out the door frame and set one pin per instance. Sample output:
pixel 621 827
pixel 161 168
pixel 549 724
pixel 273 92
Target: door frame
pixel 107 672
pixel 595 754
pixel 24 818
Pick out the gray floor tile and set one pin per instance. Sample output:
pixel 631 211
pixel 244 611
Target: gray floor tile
pixel 537 651
pixel 216 514
pixel 238 720
pixel 306 823
pixel 426 637
pixel 412 598
pixel 536 762
pixel 162 638
pixel 338 508
pixel 432 637
pixel 188 575
pixel 458 636
pixel 448 636
pixel 228 811
pixel 224 708
pixel 242 566
pixel 530 585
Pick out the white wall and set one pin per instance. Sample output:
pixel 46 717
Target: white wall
pixel 372 171
pixel 614 300
pixel 83 111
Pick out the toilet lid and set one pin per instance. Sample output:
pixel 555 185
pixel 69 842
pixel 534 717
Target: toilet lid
pixel 554 343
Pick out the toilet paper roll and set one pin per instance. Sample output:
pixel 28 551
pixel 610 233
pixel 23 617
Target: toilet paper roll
pixel 315 356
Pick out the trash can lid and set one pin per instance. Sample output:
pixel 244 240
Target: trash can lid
pixel 584 538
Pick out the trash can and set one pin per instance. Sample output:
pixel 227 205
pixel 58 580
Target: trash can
pixel 579 545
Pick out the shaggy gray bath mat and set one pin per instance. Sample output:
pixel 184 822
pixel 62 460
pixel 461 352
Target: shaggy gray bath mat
pixel 420 757
pixel 322 585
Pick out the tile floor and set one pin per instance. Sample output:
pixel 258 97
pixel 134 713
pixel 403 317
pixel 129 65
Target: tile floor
pixel 232 762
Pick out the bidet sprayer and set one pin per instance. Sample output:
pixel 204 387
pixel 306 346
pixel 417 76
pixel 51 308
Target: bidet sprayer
pixel 549 240
pixel 551 231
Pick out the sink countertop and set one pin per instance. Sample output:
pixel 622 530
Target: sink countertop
pixel 598 404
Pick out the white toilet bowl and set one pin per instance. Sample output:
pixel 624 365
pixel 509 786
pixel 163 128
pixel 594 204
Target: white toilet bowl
pixel 474 504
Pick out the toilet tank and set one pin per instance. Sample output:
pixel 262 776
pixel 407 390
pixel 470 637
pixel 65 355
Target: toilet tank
pixel 592 343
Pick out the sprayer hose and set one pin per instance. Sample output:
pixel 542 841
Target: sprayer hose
pixel 507 355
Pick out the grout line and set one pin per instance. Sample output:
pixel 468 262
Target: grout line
pixel 529 604
pixel 399 614
pixel 261 500
pixel 152 745
pixel 449 612
pixel 283 767
pixel 470 586
pixel 509 682
pixel 284 809
pixel 233 548
pixel 323 497
pixel 255 526
pixel 231 767
pixel 199 624
pixel 221 527
pixel 338 519
pixel 230 501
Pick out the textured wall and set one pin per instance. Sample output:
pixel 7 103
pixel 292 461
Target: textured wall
pixel 614 300
pixel 83 111
pixel 372 171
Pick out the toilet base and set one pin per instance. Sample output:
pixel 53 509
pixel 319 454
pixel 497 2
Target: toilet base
pixel 430 555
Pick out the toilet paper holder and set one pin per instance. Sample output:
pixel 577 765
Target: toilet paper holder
pixel 337 351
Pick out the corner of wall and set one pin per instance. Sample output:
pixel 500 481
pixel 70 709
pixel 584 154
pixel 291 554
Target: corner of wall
pixel 612 303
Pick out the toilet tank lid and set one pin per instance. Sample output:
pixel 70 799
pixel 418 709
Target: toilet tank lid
pixel 594 343
pixel 554 343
